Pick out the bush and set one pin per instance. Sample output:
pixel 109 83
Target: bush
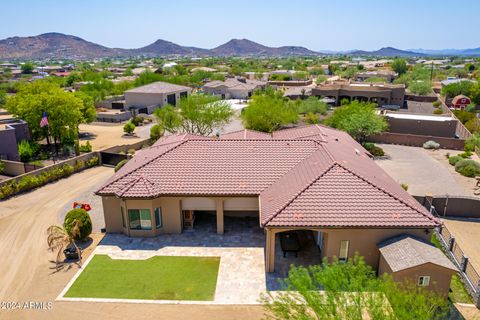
pixel 468 168
pixel 25 151
pixel 465 155
pixel 453 160
pixel 156 132
pixel 437 111
pixel 311 118
pixel 137 120
pixel 129 127
pixel 87 147
pixel 92 162
pixel 85 223
pixel 79 165
pixel 431 145
pixel 436 104
pixel 404 186
pixel 2 166
pixel 120 164
pixel 472 142
pixel 375 150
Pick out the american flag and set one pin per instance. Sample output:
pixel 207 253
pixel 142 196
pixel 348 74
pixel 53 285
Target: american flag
pixel 44 121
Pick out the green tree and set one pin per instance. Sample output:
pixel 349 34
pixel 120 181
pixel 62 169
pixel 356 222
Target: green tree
pixel 196 114
pixel 351 290
pixel 85 225
pixel 25 151
pixel 27 68
pixel 267 111
pixel 129 128
pixel 64 109
pixel 359 119
pixel 312 105
pixel 420 87
pixel 458 88
pixel 399 66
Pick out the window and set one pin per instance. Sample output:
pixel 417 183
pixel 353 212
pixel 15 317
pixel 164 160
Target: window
pixel 139 219
pixel 343 255
pixel 158 218
pixel 424 281
pixel 122 212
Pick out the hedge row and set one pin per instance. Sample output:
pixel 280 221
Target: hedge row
pixel 30 182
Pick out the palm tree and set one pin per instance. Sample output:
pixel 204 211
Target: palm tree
pixel 59 239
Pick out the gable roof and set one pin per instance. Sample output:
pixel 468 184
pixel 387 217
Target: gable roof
pixel 405 252
pixel 307 176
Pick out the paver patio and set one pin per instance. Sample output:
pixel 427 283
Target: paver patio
pixel 241 276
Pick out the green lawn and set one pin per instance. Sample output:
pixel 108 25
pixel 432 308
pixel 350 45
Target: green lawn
pixel 157 278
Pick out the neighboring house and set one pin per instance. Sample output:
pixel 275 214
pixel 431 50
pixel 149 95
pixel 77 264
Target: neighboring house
pixel 388 75
pixel 460 102
pixel 233 88
pixel 380 93
pixel 310 178
pixel 413 259
pixel 12 131
pixel 146 99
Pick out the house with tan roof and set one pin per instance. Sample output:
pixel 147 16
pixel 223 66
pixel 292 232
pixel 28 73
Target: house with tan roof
pixel 233 88
pixel 312 178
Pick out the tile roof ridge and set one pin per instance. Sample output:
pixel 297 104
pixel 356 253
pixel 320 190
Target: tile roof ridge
pixel 430 217
pixel 299 193
pixel 178 143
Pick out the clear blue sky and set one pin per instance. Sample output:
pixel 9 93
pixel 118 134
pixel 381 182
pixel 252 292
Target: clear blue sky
pixel 316 24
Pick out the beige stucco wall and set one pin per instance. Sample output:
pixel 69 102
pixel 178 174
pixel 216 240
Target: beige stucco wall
pixel 171 208
pixel 440 277
pixel 363 241
pixel 144 99
pixel 112 214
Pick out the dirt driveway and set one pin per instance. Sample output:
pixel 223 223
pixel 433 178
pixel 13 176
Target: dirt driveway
pixel 25 274
pixel 425 171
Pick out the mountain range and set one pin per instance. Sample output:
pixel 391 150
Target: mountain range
pixel 60 46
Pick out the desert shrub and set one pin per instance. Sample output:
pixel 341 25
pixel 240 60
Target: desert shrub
pixel 437 111
pixel 436 104
pixel 472 142
pixel 404 186
pixel 8 189
pixel 87 147
pixel 137 120
pixel 93 161
pixel 67 170
pixel 156 132
pixel 311 118
pixel 79 165
pixel 120 164
pixel 465 155
pixel 129 127
pixel 27 183
pixel 430 144
pixel 85 225
pixel 468 168
pixel 131 151
pixel 453 160
pixel 375 150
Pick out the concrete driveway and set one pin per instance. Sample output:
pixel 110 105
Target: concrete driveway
pixel 420 170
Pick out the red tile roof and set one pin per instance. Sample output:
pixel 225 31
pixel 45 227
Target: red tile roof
pixel 246 135
pixel 308 176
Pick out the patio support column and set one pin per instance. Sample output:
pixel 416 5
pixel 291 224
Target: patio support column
pixel 270 250
pixel 219 203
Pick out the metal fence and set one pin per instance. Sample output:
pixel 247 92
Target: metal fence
pixel 468 273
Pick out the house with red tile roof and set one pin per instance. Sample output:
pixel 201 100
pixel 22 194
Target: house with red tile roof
pixel 307 178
